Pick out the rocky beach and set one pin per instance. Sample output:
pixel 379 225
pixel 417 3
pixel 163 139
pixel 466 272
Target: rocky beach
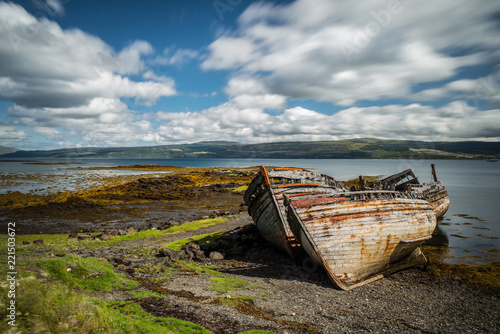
pixel 146 249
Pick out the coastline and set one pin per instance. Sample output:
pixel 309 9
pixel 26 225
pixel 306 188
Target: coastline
pixel 253 287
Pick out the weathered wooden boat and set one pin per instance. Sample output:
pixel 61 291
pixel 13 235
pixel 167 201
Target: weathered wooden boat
pixel 264 198
pixel 433 192
pixel 361 236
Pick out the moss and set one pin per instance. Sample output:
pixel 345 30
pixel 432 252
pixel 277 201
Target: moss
pixel 195 225
pixel 202 240
pixel 369 181
pixel 486 275
pixel 145 294
pixel 91 274
pixel 198 269
pixel 223 284
pixel 131 318
pixel 240 190
pixel 233 300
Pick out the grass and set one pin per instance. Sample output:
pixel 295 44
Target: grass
pixel 195 225
pixel 90 274
pixel 198 268
pixel 233 300
pixel 50 307
pixel 202 239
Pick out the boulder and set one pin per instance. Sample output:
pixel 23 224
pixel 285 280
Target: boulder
pixel 216 256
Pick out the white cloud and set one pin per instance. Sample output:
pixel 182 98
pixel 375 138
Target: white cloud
pixel 65 68
pixel 454 121
pixel 305 48
pixel 61 80
pixel 11 133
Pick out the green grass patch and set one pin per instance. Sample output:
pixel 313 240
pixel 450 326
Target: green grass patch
pixel 131 318
pixel 240 190
pixel 145 294
pixel 91 274
pixel 202 240
pixel 223 284
pixel 132 236
pixel 195 225
pixel 44 307
pixel 199 268
pixel 234 300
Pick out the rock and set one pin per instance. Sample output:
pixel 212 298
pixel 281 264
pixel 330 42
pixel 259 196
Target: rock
pixel 122 232
pixel 131 230
pixel 83 237
pixel 105 236
pixel 73 235
pixel 199 256
pixel 169 254
pixel 38 242
pixel 125 262
pixel 216 256
pixel 189 254
pixel 182 255
pixel 192 247
pixel 26 242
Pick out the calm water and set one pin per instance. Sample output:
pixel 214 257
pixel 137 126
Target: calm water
pixel 469 231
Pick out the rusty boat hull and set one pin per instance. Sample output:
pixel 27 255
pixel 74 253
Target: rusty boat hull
pixel 264 198
pixel 433 192
pixel 359 237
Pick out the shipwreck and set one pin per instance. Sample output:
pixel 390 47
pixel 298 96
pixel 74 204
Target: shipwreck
pixel 434 192
pixel 264 198
pixel 356 236
pixel 359 237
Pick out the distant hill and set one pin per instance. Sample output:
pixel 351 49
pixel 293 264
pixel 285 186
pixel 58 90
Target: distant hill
pixel 5 150
pixel 366 148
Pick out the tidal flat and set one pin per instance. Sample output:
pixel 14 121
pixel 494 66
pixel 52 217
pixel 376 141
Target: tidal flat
pixel 109 249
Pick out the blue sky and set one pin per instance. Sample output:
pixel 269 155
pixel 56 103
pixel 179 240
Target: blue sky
pixel 79 73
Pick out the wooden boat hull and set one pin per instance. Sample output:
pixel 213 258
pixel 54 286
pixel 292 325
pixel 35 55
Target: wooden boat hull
pixel 358 241
pixel 436 194
pixel 264 198
pixel 433 192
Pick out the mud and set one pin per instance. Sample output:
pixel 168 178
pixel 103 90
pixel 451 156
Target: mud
pixel 183 194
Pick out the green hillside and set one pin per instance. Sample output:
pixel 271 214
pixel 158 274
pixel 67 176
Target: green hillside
pixel 367 148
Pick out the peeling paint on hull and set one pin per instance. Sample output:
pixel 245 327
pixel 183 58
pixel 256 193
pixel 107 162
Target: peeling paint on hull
pixel 358 241
pixel 436 194
pixel 264 198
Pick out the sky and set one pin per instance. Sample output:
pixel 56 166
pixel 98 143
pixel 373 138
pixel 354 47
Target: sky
pixel 79 73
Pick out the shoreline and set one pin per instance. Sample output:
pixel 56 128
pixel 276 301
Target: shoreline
pixel 252 287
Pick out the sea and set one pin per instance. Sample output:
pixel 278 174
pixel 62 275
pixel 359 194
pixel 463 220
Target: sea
pixel 469 232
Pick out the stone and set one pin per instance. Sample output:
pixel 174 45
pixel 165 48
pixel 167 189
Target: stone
pixel 169 254
pixel 216 256
pixel 105 236
pixel 26 242
pixel 122 232
pixel 199 256
pixel 131 230
pixel 38 242
pixel 73 235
